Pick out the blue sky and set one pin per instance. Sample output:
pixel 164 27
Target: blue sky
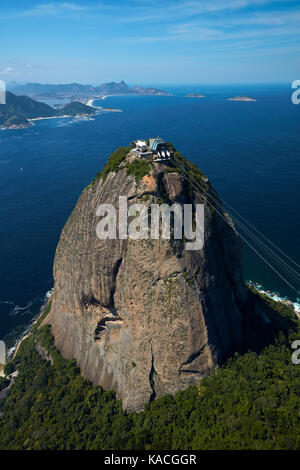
pixel 150 41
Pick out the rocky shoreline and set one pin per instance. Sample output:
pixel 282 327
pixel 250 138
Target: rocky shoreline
pixel 32 120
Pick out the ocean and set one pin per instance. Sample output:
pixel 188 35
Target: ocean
pixel 249 151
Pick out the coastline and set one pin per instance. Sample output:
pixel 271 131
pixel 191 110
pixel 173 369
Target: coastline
pixel 77 116
pixel 276 297
pixel 135 94
pixel 90 102
pixel 15 127
pixel 32 120
pixel 48 117
pixel 11 353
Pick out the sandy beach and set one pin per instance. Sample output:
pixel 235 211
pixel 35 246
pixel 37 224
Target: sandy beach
pixel 48 117
pixel 90 102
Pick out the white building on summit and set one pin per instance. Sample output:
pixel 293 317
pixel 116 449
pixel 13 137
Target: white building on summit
pixel 141 145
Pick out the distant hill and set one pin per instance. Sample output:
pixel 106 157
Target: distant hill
pixel 76 108
pixel 18 110
pixel 148 91
pixel 113 88
pixel 41 89
pixel 79 90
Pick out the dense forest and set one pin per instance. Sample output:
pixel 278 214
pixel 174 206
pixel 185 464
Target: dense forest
pixel 251 402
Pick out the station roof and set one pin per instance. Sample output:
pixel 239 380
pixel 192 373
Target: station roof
pixel 155 143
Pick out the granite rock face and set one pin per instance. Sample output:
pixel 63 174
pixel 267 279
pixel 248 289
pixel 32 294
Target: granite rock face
pixel 146 317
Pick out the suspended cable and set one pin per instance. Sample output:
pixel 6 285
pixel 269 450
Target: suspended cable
pixel 184 172
pixel 275 257
pixel 290 270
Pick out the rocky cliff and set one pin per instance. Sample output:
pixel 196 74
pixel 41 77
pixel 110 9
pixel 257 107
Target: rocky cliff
pixel 146 317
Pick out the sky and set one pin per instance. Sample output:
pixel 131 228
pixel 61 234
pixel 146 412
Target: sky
pixel 150 41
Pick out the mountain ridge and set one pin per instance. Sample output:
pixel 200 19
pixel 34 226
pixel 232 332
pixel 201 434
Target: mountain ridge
pixel 75 89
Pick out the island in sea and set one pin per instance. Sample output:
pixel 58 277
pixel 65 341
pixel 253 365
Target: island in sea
pixel 195 95
pixel 19 111
pixel 241 98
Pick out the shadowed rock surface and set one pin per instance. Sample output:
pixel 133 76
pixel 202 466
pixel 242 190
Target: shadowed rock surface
pixel 146 317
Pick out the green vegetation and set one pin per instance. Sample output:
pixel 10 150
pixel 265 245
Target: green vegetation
pixel 41 317
pixel 18 109
pixel 170 169
pixel 76 108
pixel 113 164
pixel 3 383
pixel 252 402
pixel 192 172
pixel 138 169
pixel 115 160
pixel 141 167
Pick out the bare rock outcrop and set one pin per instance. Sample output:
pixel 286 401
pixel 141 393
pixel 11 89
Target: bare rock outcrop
pixel 146 317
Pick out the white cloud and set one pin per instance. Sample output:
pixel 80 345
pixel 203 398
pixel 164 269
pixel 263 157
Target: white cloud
pixel 173 11
pixel 51 9
pixel 145 11
pixel 183 20
pixel 234 27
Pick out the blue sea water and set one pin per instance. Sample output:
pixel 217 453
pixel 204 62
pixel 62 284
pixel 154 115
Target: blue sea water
pixel 250 152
